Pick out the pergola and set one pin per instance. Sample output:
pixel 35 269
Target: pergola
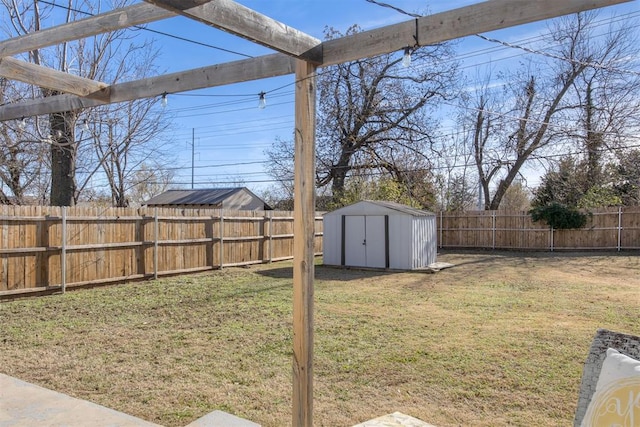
pixel 299 54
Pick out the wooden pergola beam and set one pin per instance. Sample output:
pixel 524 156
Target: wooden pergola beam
pixel 477 18
pixel 244 22
pixel 465 21
pixel 36 75
pixel 216 75
pixel 137 14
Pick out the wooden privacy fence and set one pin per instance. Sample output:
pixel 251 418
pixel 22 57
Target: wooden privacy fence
pixel 610 228
pixel 50 248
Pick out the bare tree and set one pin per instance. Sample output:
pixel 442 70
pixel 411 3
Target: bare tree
pixel 148 181
pixel 456 181
pixel 108 57
pixel 607 94
pixel 374 118
pixel 23 154
pixel 545 101
pixel 123 138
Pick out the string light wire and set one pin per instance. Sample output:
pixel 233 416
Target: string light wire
pixel 139 27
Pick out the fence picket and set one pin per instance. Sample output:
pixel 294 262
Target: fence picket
pixel 78 246
pixel 607 229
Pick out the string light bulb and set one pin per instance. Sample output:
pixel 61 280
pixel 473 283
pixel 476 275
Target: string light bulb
pixel 165 100
pixel 406 58
pixel 85 125
pixel 262 102
pixel 22 123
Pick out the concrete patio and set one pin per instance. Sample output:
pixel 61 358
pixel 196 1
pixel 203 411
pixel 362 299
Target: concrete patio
pixel 23 404
pixel 27 405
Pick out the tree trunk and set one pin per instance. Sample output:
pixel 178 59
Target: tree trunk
pixel 339 174
pixel 63 159
pixel 593 141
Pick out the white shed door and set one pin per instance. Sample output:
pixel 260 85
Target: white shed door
pixel 354 241
pixel 365 243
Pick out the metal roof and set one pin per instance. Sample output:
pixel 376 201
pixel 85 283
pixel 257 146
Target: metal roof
pixel 387 205
pixel 200 196
pixel 401 208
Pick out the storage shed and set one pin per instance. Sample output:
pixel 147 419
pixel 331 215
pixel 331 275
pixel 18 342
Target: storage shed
pixel 378 234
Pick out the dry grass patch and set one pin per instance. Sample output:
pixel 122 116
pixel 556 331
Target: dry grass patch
pixel 498 340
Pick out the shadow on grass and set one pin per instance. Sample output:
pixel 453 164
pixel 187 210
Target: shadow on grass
pixel 326 273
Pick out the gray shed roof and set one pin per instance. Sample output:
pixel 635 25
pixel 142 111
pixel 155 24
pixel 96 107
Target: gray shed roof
pixel 389 205
pixel 401 208
pixel 200 196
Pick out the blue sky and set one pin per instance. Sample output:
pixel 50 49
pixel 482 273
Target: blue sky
pixel 230 129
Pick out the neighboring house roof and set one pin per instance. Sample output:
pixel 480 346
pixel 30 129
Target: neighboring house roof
pixel 387 205
pixel 200 197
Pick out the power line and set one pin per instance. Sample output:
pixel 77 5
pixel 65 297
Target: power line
pixel 226 125
pixel 214 95
pixel 231 111
pixel 139 27
pixel 468 55
pixel 397 9
pixel 517 46
pixel 227 103
pixel 558 57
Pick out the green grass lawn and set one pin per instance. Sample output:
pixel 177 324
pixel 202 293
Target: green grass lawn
pixel 499 339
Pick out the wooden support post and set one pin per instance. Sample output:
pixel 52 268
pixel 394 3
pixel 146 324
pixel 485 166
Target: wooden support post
pixel 303 244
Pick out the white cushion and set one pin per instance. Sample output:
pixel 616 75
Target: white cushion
pixel 616 401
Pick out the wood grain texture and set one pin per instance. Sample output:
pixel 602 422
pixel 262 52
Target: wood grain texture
pixel 103 245
pixel 476 18
pixel 215 75
pixel 125 17
pixel 37 75
pixel 244 22
pixel 303 241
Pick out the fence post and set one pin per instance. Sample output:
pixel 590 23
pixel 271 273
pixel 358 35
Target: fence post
pixel 551 228
pixel 63 251
pixel 270 237
pixel 493 230
pixel 619 228
pixel 212 241
pixel 441 244
pixel 221 239
pixel 156 237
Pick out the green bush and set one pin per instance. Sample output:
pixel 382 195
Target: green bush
pixel 559 216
